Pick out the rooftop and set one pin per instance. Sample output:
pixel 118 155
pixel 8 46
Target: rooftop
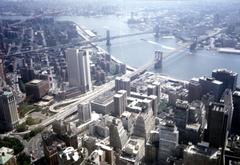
pixel 104 98
pixel 70 154
pixel 5 156
pixel 210 79
pixel 236 93
pixel 226 71
pixel 133 146
pixel 218 107
pixel 204 150
pixel 35 81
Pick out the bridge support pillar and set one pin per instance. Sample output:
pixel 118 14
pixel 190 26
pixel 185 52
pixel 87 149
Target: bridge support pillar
pixel 157 31
pixel 158 59
pixel 108 43
pixel 194 44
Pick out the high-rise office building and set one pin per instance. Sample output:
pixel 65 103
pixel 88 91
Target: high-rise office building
pixel 118 135
pixel 168 140
pixel 144 123
pixel 195 90
pixel 212 86
pixel 123 84
pixel 8 111
pixel 197 113
pixel 229 78
pixel 236 113
pixel 152 90
pixel 181 113
pixel 217 125
pixel 228 106
pixel 84 112
pixel 158 92
pixel 79 74
pixel 120 102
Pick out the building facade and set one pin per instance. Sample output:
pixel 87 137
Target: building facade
pixel 8 111
pixel 79 74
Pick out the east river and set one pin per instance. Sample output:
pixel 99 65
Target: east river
pixel 138 50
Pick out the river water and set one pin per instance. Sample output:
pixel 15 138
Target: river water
pixel 138 50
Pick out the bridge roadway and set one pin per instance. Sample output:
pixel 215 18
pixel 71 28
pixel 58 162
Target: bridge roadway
pixel 104 39
pixel 85 42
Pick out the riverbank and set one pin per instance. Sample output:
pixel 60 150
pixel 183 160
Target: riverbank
pixel 84 33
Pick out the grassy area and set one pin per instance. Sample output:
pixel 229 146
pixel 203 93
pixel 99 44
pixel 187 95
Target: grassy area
pixel 22 127
pixel 25 108
pixel 31 121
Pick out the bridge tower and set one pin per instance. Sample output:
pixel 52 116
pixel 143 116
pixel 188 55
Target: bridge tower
pixel 108 43
pixel 193 46
pixel 158 59
pixel 157 31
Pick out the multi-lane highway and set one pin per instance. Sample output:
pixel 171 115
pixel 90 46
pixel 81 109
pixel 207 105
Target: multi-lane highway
pixel 72 108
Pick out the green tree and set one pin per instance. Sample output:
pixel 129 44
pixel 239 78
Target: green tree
pixel 23 159
pixel 13 143
pixel 21 127
pixel 30 121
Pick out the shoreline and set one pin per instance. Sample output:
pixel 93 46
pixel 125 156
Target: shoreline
pixel 82 32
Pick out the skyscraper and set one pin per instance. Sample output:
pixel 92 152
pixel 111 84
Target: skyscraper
pixel 228 106
pixel 212 86
pixel 236 112
pixel 168 140
pixel 181 113
pixel 229 78
pixel 195 90
pixel 217 125
pixel 79 74
pixel 120 103
pixel 123 84
pixel 118 135
pixel 8 111
pixel 84 112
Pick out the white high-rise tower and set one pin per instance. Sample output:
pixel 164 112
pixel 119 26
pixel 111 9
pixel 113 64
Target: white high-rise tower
pixel 79 74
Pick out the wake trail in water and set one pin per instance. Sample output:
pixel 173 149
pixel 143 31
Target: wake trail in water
pixel 156 43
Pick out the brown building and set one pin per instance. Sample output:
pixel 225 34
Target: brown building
pixel 51 146
pixel 36 89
